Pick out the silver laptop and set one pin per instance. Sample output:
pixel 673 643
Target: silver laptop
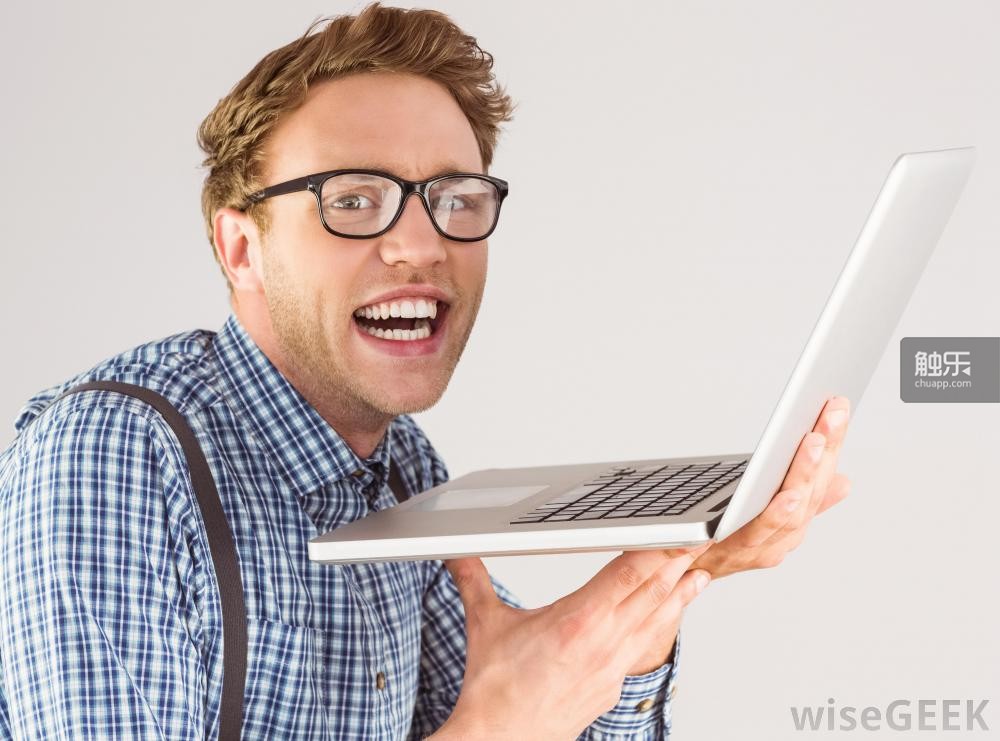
pixel 670 502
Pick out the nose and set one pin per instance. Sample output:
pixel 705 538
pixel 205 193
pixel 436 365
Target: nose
pixel 413 239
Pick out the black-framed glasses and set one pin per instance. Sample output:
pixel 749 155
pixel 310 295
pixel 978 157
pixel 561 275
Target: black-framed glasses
pixel 361 204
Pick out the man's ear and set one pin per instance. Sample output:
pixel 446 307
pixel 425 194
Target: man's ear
pixel 237 244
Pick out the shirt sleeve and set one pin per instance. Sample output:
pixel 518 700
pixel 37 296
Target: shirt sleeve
pixel 99 635
pixel 642 712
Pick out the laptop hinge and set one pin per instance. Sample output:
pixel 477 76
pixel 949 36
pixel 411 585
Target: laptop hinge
pixel 712 525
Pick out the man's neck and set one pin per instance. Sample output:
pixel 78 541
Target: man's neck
pixel 362 432
pixel 361 428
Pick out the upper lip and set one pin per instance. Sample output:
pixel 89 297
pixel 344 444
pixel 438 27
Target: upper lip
pixel 410 290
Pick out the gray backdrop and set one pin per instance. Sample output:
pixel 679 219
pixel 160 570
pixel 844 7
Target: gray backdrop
pixel 752 138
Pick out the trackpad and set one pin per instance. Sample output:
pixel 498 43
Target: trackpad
pixel 495 496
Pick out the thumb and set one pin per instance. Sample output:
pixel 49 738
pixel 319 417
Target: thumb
pixel 690 585
pixel 473 582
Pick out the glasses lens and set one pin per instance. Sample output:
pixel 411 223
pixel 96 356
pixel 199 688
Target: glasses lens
pixel 464 207
pixel 359 204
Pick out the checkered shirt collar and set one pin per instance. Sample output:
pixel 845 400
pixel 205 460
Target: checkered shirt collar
pixel 307 449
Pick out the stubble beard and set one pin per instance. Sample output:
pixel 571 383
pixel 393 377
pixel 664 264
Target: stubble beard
pixel 300 332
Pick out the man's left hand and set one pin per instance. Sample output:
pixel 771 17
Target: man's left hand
pixel 810 486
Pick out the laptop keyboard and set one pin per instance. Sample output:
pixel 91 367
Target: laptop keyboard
pixel 652 491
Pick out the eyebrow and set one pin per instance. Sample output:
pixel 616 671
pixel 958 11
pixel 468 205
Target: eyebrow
pixel 395 167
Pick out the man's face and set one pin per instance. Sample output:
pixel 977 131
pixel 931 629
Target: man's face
pixel 315 282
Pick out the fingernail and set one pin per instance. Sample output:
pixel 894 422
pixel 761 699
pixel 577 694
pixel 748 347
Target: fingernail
pixel 701 580
pixel 837 417
pixel 816 446
pixel 793 500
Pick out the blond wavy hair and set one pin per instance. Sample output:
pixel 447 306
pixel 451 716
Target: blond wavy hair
pixel 416 41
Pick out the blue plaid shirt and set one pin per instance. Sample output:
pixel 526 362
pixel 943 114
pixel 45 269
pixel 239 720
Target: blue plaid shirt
pixel 110 622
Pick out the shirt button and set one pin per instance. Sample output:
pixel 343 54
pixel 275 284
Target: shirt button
pixel 380 680
pixel 673 690
pixel 358 473
pixel 644 705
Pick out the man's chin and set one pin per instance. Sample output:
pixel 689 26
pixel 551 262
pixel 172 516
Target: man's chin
pixel 393 402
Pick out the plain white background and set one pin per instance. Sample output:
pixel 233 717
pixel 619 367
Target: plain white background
pixel 744 143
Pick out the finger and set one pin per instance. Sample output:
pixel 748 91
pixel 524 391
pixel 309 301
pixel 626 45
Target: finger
pixel 794 531
pixel 779 515
pixel 624 574
pixel 802 470
pixel 831 427
pixel 840 487
pixel 657 615
pixel 655 590
pixel 473 582
pixel 833 424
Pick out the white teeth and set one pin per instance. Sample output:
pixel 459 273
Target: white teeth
pixel 422 310
pixel 408 309
pixel 421 330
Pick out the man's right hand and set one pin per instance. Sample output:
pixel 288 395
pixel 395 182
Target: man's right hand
pixel 549 672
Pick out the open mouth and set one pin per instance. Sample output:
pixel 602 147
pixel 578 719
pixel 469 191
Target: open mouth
pixel 402 320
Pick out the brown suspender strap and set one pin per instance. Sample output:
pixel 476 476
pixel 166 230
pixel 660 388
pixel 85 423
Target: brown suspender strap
pixel 396 482
pixel 221 545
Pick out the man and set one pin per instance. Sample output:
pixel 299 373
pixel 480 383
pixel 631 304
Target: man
pixel 351 307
